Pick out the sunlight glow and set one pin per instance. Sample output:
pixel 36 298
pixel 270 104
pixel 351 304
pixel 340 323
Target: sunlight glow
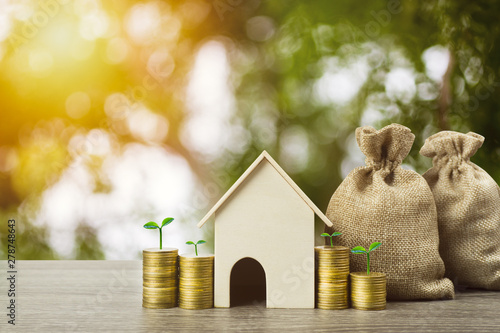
pixel 117 50
pixel 40 61
pixel 78 105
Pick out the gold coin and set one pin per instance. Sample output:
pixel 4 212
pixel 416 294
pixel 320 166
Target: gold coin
pixel 158 299
pixel 158 262
pixel 194 300
pixel 172 281
pixel 161 305
pixel 164 296
pixel 165 250
pixel 158 289
pixel 332 273
pixel 196 282
pixel 159 274
pixel 154 277
pixel 159 268
pixel 188 271
pixel 159 285
pixel 164 274
pixel 152 264
pixel 368 292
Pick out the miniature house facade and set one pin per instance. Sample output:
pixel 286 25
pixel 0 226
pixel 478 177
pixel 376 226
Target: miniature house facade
pixel 265 216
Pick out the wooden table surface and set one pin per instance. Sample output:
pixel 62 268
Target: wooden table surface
pixel 105 296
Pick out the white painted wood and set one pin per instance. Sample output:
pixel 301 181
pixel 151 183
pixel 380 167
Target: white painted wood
pixel 265 156
pixel 265 219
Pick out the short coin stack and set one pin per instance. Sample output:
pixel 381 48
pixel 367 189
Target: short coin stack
pixel 160 277
pixel 332 277
pixel 368 292
pixel 196 282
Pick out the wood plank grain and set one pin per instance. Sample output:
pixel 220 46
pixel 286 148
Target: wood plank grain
pixel 105 296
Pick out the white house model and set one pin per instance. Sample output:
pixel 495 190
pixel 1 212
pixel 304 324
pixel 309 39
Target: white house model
pixel 265 216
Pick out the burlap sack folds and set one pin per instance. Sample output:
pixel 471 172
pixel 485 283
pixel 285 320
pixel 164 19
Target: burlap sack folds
pixel 468 206
pixel 383 202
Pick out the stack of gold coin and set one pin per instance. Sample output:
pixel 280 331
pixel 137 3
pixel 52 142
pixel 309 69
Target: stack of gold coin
pixel 368 292
pixel 332 277
pixel 160 277
pixel 196 282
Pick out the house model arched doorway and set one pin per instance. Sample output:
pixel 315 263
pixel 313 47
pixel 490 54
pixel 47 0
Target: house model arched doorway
pixel 248 283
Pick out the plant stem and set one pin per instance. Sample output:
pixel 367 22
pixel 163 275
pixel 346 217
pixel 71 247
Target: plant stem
pixel 196 249
pixel 160 238
pixel 368 264
pixel 331 240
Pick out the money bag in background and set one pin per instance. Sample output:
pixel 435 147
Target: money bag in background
pixel 468 206
pixel 382 202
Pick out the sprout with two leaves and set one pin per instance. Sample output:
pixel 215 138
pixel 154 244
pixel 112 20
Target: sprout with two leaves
pixel 196 245
pixel 331 236
pixel 360 249
pixel 154 225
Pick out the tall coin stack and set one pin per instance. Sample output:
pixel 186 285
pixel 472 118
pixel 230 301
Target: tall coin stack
pixel 196 282
pixel 332 277
pixel 160 277
pixel 368 292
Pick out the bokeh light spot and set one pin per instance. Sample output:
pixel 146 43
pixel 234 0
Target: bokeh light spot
pixel 142 22
pixel 260 28
pixel 147 126
pixel 161 64
pixel 95 25
pixel 436 60
pixel 400 84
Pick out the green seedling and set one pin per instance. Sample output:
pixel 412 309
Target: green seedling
pixel 196 245
pixel 154 225
pixel 331 236
pixel 360 249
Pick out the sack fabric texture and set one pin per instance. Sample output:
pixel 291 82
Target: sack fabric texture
pixel 383 202
pixel 468 206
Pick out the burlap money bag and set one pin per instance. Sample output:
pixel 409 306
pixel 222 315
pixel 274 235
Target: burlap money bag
pixel 468 205
pixel 383 202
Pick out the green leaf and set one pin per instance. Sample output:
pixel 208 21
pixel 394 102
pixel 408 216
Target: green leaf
pixel 358 249
pixel 167 221
pixel 151 225
pixel 336 234
pixel 374 246
pixel 201 242
pixel 190 243
pixel 325 235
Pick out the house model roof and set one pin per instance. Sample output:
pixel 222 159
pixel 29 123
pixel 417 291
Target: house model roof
pixel 265 156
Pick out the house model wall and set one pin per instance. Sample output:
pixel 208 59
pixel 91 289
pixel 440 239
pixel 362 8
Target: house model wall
pixel 266 216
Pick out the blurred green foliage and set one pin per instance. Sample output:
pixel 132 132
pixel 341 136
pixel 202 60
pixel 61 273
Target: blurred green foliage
pixel 278 51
